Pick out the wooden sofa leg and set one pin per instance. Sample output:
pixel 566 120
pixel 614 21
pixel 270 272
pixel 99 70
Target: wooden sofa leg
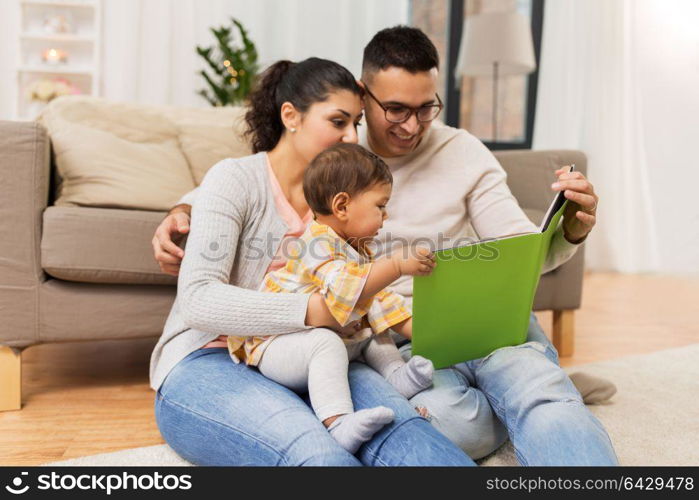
pixel 564 331
pixel 10 379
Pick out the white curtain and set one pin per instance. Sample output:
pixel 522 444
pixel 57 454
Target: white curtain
pixel 149 45
pixel 618 80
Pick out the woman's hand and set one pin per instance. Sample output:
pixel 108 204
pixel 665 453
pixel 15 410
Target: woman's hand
pixel 165 249
pixel 580 214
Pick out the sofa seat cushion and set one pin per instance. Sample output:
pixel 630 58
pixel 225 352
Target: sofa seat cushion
pixel 97 245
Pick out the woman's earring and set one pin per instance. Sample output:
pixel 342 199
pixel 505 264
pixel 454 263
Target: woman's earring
pixel 292 130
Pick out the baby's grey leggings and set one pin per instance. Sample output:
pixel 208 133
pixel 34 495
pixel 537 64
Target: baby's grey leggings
pixel 317 360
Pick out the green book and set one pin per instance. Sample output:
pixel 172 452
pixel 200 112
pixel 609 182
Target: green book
pixel 479 296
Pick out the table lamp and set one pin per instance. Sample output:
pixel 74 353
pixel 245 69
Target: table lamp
pixel 496 44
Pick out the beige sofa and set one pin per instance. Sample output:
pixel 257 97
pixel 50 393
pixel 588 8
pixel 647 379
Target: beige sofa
pixel 75 273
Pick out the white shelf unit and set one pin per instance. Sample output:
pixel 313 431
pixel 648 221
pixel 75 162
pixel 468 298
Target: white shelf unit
pixel 82 44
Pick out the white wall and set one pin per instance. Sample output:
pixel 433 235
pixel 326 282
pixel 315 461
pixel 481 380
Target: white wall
pixel 148 45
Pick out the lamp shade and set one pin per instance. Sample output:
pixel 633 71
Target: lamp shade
pixel 496 37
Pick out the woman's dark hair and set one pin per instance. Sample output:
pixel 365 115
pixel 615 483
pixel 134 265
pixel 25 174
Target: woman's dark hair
pixel 341 168
pixel 302 84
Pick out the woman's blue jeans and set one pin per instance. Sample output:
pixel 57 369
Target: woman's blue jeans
pixel 212 411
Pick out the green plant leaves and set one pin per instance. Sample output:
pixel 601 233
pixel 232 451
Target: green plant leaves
pixel 231 65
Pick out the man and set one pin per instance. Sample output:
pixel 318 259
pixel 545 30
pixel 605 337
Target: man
pixel 444 180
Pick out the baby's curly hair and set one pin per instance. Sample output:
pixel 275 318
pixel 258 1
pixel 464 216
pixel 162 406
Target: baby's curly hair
pixel 341 168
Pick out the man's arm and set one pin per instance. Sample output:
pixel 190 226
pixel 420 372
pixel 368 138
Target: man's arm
pixel 494 211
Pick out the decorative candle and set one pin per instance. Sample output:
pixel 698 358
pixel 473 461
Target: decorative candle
pixel 55 56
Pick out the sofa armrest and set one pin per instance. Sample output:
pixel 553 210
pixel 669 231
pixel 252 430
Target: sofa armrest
pixel 24 189
pixel 531 173
pixel 561 289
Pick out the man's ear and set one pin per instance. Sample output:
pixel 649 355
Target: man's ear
pixel 363 96
pixel 291 118
pixel 339 205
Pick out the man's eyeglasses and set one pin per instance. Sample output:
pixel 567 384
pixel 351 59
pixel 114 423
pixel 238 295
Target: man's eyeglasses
pixel 397 113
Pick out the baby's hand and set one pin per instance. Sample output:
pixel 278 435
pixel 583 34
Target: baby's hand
pixel 420 262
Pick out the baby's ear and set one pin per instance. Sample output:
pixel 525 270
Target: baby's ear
pixel 339 205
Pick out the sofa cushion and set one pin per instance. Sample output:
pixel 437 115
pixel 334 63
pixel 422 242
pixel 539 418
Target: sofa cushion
pixel 115 155
pixel 208 135
pixel 95 245
pixel 137 156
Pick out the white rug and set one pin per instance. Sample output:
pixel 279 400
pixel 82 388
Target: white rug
pixel 652 420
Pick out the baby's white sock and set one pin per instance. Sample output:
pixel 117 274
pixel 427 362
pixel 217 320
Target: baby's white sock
pixel 353 429
pixel 413 376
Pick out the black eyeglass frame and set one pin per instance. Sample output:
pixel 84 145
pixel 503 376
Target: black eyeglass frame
pixel 413 111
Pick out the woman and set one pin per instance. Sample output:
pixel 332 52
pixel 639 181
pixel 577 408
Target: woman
pixel 211 410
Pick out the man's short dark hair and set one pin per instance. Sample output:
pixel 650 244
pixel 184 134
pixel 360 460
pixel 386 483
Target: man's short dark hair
pixel 404 47
pixel 341 168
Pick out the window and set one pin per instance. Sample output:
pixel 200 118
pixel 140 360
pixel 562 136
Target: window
pixel 470 105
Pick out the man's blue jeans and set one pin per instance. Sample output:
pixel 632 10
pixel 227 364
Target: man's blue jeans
pixel 212 411
pixel 522 392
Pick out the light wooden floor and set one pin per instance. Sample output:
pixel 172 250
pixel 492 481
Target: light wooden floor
pixel 86 398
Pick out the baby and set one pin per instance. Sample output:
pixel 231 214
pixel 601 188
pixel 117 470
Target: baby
pixel 347 188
